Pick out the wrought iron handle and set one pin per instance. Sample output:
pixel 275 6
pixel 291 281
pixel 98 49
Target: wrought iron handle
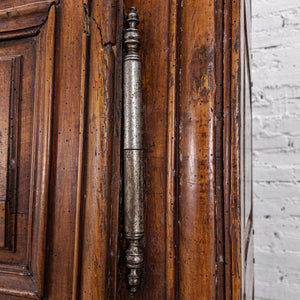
pixel 133 152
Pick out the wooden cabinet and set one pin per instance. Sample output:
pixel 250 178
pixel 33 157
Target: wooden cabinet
pixel 61 135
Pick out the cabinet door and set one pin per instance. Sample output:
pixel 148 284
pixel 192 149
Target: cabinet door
pixel 61 158
pixel 198 193
pixel 43 48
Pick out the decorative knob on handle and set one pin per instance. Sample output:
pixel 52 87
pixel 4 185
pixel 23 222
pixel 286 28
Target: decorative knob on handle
pixel 132 37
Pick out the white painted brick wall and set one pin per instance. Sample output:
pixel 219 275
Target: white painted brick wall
pixel 276 143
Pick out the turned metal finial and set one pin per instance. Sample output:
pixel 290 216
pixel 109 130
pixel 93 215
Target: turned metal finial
pixel 132 37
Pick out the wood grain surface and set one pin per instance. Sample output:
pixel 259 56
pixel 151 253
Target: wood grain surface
pixel 22 268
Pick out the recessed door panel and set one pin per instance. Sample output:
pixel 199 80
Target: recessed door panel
pixel 9 126
pixel 26 74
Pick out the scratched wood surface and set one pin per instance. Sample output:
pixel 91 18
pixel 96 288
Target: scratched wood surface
pixel 6 69
pixel 204 143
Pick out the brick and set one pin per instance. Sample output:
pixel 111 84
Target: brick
pixel 275 291
pixel 270 142
pixel 282 92
pixel 282 158
pixel 266 7
pixel 272 173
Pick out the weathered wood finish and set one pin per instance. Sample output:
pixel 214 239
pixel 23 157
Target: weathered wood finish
pixel 22 268
pixel 9 124
pixel 196 203
pixel 96 232
pixel 67 150
pixel 237 153
pixel 62 225
pixel 205 149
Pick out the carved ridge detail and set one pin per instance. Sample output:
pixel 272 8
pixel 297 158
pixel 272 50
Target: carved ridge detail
pixel 9 149
pixel 26 279
pixel 24 20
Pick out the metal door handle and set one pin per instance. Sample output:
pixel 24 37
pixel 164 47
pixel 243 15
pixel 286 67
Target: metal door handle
pixel 133 151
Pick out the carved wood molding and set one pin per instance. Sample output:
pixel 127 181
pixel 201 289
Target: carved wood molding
pixel 9 123
pixel 25 20
pixel 27 279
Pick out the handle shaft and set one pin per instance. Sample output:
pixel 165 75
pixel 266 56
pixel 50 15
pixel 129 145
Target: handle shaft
pixel 133 152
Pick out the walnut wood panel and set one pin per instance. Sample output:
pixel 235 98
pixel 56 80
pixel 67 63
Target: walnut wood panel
pixel 196 152
pixel 2 223
pixel 97 207
pixel 22 20
pixel 67 150
pixel 9 124
pixel 23 16
pixel 219 161
pixel 27 50
pixel 205 165
pixel 22 270
pixel 238 190
pixel 9 4
pixel 233 242
pixel 172 157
